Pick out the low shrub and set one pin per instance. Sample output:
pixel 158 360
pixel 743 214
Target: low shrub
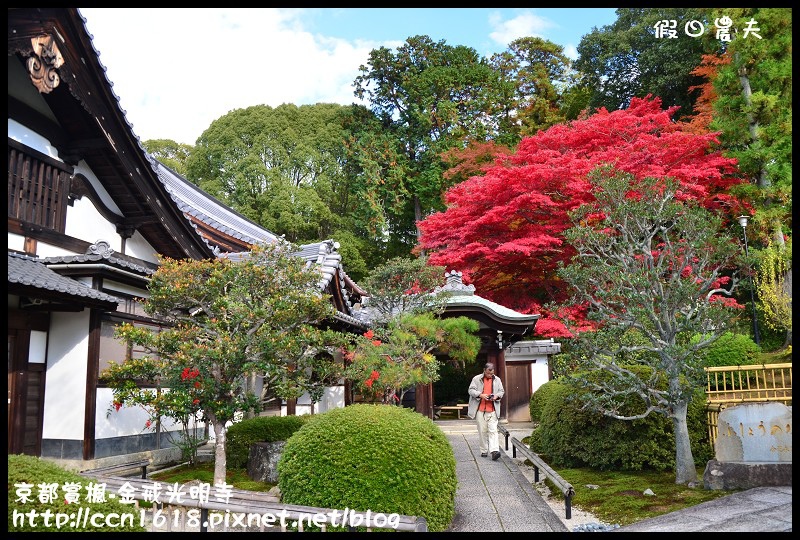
pixel 729 350
pixel 242 435
pixel 28 475
pixel 571 437
pixel 372 457
pixel 539 398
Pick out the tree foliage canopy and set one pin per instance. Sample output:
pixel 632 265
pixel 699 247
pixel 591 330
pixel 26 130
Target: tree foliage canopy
pixel 652 262
pixel 225 320
pixel 408 333
pixel 504 230
pixel 625 59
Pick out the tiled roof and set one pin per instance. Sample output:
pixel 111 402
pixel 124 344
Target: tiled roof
pixel 31 272
pixel 323 255
pixel 194 202
pixel 464 296
pixel 522 350
pixel 96 257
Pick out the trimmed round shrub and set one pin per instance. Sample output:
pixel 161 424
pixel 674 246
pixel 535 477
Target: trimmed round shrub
pixel 571 437
pixel 28 472
pixel 539 398
pixel 242 435
pixel 372 457
pixel 729 350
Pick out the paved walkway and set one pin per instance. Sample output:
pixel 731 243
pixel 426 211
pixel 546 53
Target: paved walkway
pixel 494 496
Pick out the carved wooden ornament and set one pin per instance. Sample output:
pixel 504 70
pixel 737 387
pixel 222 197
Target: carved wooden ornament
pixel 43 64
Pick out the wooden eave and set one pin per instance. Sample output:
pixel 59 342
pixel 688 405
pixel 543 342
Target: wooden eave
pixel 92 126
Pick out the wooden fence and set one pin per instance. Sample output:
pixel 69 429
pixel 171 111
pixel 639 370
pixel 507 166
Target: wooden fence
pixel 733 385
pixel 193 508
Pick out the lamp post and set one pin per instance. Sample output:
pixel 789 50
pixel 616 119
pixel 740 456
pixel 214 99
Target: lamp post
pixel 756 336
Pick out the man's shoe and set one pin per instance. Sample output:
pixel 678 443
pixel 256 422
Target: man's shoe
pixel 495 456
pixel 483 454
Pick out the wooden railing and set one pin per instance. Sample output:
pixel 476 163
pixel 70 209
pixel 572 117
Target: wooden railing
pixel 203 509
pixel 38 187
pixel 539 465
pixel 732 385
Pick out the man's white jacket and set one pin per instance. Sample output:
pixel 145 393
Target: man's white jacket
pixel 476 389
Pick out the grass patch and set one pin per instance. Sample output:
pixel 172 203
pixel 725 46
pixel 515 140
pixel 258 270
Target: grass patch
pixel 204 472
pixel 776 357
pixel 619 497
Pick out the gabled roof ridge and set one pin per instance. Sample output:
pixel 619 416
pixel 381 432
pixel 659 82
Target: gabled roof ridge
pixel 194 201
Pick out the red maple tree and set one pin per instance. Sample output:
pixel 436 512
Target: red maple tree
pixel 503 229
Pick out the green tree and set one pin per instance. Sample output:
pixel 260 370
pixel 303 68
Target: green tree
pixel 172 154
pixel 774 287
pixel 404 285
pixel 753 112
pixel 431 97
pixel 651 261
pixel 404 302
pixel 226 322
pixel 535 72
pixel 626 60
pixel 280 167
pixel 312 172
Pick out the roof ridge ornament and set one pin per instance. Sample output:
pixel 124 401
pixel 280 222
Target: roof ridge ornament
pixel 102 248
pixel 455 285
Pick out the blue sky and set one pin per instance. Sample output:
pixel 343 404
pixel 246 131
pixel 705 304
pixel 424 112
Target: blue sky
pixel 178 69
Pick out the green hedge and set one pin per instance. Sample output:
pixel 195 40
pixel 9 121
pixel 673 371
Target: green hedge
pixel 571 437
pixel 539 398
pixel 242 435
pixel 729 350
pixel 372 457
pixel 33 471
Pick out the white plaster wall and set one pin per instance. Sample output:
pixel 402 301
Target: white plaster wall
pixel 539 373
pixel 127 420
pixel 44 249
pixel 112 423
pixel 332 398
pixel 86 223
pixel 83 168
pixel 22 134
pixel 15 241
pixel 123 288
pixel 68 348
pixel 83 219
pixel 137 246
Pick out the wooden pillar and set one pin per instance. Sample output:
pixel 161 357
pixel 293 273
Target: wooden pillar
pixel 423 402
pixel 498 356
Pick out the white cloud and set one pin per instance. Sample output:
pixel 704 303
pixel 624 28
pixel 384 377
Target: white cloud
pixel 522 25
pixel 177 70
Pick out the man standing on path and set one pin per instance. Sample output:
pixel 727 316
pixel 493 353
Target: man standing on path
pixel 485 392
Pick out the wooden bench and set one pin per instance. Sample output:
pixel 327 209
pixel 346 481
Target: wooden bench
pixel 457 408
pixel 538 464
pixel 113 470
pixel 243 509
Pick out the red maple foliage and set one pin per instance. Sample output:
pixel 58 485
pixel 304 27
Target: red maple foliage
pixel 704 104
pixel 503 230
